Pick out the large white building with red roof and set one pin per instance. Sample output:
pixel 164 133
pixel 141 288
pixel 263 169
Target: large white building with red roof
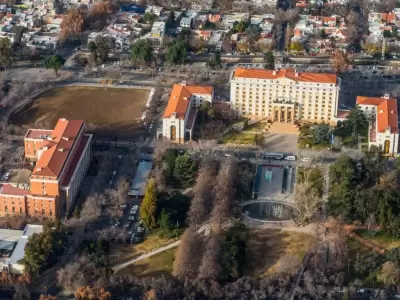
pixel 285 95
pixel 383 118
pixel 62 157
pixel 181 111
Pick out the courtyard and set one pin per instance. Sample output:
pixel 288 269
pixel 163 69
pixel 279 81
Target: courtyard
pixel 111 112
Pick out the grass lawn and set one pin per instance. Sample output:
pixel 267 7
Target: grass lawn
pixel 234 137
pixel 267 247
pixel 106 111
pixel 124 252
pixel 160 264
pixel 379 238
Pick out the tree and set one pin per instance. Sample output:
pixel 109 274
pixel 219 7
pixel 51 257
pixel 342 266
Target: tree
pixel 224 192
pixel 6 53
pixel 149 17
pixel 142 52
pixel 188 255
pixel 269 59
pixel 200 205
pixel 102 48
pixel 89 293
pixel 289 264
pixel 355 125
pixel 296 46
pixel 339 61
pixel 214 62
pixel 74 275
pixel 47 297
pixel 321 134
pixel 171 19
pixel 240 26
pixel 99 13
pixel 55 62
pixel 73 23
pixel 148 208
pixel 253 33
pixel 165 221
pixel 184 170
pixel 390 273
pixel 176 53
pixel 209 267
pixel 91 208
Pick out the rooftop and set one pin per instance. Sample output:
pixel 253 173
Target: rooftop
pixel 37 133
pixel 180 98
pixel 285 73
pixel 57 148
pixel 387 115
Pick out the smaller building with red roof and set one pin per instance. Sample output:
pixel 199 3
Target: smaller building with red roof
pixel 181 111
pixel 383 117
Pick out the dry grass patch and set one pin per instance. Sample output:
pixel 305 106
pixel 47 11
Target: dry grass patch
pixel 124 252
pixel 160 264
pixel 267 247
pixel 106 111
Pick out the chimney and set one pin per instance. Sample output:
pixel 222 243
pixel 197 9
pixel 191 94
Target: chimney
pixel 63 119
pixel 274 72
pixel 39 169
pixel 386 96
pixel 183 83
pixel 296 74
pixel 45 148
pixel 381 111
pixel 65 138
pixel 185 98
pixel 392 112
pixel 61 149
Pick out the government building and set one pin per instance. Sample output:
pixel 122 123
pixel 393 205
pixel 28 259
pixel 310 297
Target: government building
pixel 181 111
pixel 383 120
pixel 284 95
pixel 61 157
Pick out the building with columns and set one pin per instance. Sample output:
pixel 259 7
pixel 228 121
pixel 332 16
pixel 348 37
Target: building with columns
pixel 285 95
pixel 181 111
pixel 61 157
pixel 383 119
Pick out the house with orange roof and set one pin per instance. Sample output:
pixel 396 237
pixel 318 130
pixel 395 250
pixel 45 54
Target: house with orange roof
pixel 61 158
pixel 284 95
pixel 181 111
pixel 383 122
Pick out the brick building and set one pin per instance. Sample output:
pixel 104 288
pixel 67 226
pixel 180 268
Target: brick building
pixel 62 157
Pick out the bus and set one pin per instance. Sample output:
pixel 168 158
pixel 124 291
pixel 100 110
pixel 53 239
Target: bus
pixel 275 156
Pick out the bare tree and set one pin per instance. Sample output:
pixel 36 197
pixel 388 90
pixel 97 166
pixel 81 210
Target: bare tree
pixel 91 208
pixel 71 277
pixel 224 193
pixel 201 204
pixel 188 255
pixel 210 267
pixel 339 61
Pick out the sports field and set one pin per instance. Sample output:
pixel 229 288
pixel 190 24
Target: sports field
pixel 111 112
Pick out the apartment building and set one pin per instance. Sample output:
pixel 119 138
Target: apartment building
pixel 181 111
pixel 383 122
pixel 285 95
pixel 61 157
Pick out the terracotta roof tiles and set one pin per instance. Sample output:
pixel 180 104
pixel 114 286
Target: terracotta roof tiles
pixel 285 73
pixel 179 99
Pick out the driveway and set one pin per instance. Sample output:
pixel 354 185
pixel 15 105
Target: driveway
pixel 281 142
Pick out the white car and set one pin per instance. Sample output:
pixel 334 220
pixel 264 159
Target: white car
pixel 140 229
pixel 131 218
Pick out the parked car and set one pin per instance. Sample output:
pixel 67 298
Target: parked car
pixel 131 218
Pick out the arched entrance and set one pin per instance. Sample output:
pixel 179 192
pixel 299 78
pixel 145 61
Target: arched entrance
pixel 386 147
pixel 173 133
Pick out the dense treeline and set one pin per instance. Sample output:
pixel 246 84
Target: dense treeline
pixel 364 190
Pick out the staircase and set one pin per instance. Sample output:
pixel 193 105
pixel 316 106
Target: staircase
pixel 288 128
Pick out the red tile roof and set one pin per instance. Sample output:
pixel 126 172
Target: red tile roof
pixel 286 73
pixel 75 160
pixel 8 189
pixel 180 98
pixel 59 145
pixel 387 115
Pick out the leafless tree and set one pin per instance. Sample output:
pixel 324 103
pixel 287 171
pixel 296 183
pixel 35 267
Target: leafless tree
pixel 71 277
pixel 188 255
pixel 210 267
pixel 113 234
pixel 340 242
pixel 91 208
pixel 288 263
pixel 21 292
pixel 356 26
pixel 224 193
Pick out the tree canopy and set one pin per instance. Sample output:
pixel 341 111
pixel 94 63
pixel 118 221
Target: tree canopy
pixel 148 209
pixel 269 59
pixel 214 62
pixel 6 53
pixel 176 53
pixel 142 52
pixel 321 134
pixel 55 62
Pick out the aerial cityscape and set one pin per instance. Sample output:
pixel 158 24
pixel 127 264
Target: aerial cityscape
pixel 209 149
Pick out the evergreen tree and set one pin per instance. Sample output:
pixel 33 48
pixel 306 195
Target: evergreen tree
pixel 148 208
pixel 184 171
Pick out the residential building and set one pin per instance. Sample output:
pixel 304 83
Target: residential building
pixel 181 111
pixel 186 22
pixel 12 247
pixel 62 157
pixel 285 95
pixel 157 34
pixel 383 122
